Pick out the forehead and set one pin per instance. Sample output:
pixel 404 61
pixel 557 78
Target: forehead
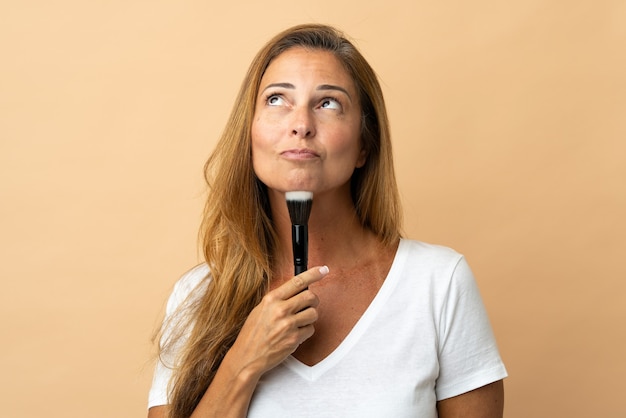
pixel 299 63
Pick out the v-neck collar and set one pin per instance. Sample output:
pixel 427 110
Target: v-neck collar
pixel 312 373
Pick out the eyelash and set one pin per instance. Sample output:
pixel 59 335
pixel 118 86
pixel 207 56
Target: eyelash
pixel 270 95
pixel 333 99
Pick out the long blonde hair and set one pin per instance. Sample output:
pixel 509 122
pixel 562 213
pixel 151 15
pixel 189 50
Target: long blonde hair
pixel 237 233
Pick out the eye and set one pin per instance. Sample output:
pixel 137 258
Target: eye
pixel 330 103
pixel 274 100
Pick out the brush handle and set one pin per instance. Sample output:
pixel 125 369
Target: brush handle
pixel 300 242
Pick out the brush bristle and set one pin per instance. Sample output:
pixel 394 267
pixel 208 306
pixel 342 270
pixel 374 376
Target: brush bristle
pixel 299 206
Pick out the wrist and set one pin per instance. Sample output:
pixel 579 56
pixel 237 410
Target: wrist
pixel 242 374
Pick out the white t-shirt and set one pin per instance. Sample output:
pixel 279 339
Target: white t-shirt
pixel 425 337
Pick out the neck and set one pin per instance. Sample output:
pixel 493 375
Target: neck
pixel 336 236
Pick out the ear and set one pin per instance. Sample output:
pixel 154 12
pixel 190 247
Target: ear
pixel 360 162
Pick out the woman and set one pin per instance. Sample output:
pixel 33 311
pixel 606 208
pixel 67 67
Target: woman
pixel 381 327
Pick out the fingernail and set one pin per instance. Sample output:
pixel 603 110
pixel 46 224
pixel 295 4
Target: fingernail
pixel 324 270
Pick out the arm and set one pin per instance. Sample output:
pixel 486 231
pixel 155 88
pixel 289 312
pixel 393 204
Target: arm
pixel 484 402
pixel 274 330
pixel 158 412
pixel 468 353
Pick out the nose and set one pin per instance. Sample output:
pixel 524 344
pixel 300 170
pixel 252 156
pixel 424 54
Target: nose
pixel 303 123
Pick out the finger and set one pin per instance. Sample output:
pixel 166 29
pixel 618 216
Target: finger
pixel 301 301
pixel 300 282
pixel 306 317
pixel 305 332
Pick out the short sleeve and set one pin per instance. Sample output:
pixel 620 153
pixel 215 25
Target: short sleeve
pixel 468 354
pixel 188 283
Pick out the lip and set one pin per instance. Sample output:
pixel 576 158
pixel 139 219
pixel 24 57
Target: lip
pixel 299 154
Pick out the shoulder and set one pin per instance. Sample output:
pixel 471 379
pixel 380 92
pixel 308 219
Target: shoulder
pixel 433 250
pixel 427 255
pixel 192 277
pixel 437 267
pixel 192 283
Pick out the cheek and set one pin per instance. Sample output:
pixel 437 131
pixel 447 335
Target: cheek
pixel 352 149
pixel 260 147
pixel 260 132
pixel 255 153
pixel 256 137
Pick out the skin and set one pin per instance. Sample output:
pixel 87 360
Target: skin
pixel 306 136
pixel 306 128
pixel 274 329
pixel 484 402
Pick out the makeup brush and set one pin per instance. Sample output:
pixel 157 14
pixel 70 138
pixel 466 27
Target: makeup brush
pixel 299 206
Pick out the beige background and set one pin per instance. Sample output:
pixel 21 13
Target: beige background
pixel 509 127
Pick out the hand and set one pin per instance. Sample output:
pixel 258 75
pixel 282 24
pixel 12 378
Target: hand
pixel 279 323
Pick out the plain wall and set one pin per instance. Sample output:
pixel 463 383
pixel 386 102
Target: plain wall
pixel 509 128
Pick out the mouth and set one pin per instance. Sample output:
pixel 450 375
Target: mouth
pixel 299 154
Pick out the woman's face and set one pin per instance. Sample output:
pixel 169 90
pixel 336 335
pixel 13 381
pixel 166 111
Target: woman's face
pixel 306 127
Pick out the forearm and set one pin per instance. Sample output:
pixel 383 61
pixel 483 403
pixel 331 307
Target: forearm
pixel 273 330
pixel 229 394
pixel 484 402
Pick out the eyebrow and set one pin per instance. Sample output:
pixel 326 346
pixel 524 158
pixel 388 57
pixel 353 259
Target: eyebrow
pixel 333 87
pixel 321 87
